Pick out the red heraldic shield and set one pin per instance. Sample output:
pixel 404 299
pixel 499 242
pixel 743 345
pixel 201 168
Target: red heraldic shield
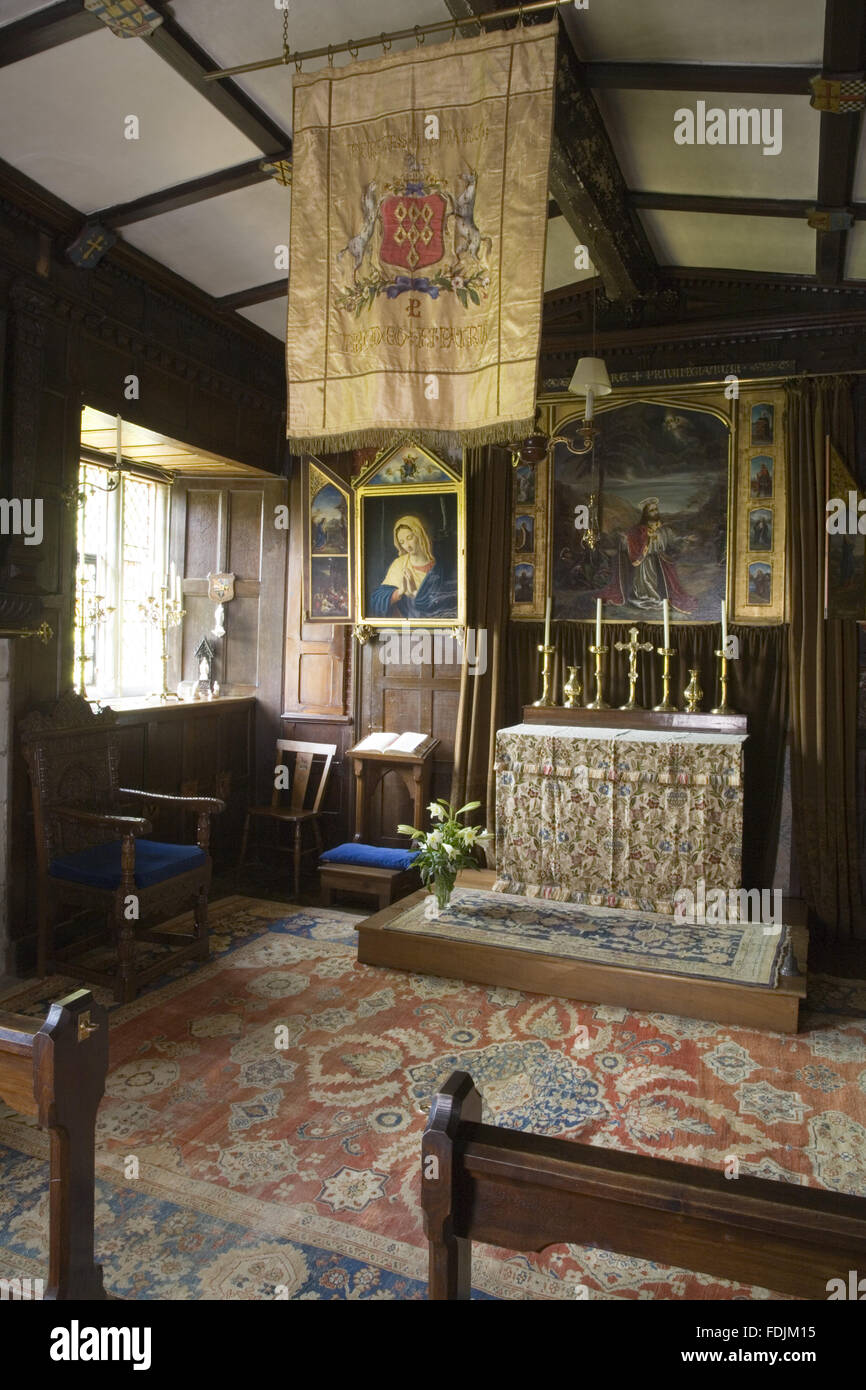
pixel 413 228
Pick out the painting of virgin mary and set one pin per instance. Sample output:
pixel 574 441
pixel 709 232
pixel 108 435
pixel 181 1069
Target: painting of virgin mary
pixel 416 584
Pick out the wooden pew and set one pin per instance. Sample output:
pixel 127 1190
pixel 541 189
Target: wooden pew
pixel 525 1191
pixel 56 1071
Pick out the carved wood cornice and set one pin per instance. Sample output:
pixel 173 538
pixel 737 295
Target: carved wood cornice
pixel 34 301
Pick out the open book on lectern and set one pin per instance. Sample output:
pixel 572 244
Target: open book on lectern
pixel 384 742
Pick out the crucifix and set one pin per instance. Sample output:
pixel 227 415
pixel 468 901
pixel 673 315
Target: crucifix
pixel 632 647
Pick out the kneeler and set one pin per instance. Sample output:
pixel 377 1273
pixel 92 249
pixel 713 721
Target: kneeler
pixel 92 855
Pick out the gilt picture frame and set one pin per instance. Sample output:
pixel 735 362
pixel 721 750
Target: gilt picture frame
pixel 328 542
pixel 660 472
pixel 410 540
pixel 761 498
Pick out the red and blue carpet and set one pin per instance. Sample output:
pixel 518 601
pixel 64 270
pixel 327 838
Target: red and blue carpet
pixel 260 1133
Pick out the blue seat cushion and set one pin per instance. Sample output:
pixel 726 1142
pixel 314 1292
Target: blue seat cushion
pixel 99 866
pixel 370 856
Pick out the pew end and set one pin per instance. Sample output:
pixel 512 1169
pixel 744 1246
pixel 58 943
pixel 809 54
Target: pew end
pixel 55 1071
pixel 526 1192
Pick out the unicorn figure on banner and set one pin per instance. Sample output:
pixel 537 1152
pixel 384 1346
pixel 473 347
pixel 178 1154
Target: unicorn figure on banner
pixel 357 245
pixel 467 236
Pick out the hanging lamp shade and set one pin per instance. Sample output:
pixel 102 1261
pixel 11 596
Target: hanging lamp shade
pixel 590 375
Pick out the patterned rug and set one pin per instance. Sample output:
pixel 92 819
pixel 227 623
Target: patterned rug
pixel 272 1101
pixel 739 953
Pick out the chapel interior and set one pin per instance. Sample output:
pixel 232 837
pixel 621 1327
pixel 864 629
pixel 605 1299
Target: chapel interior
pixel 432 650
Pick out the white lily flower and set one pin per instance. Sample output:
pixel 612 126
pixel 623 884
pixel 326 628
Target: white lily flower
pixel 436 811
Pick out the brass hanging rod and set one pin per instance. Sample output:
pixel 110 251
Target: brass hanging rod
pixel 419 32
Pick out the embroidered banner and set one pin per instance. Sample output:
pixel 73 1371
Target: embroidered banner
pixel 416 261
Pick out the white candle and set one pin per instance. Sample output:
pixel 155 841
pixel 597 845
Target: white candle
pixel 724 624
pixel 117 451
pixel 598 622
pixel 587 414
pixel 547 621
pixel 666 616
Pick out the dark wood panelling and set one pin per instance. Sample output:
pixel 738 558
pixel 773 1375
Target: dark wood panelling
pixel 227 526
pixel 72 337
pixel 395 697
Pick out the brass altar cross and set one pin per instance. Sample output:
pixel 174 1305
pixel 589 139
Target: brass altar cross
pixel 632 647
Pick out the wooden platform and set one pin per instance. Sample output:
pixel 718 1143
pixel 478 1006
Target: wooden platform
pixel 746 1006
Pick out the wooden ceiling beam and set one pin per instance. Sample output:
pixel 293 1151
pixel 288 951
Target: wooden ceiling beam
pixel 183 195
pixel 736 207
pixel 586 181
pixel 700 77
pixel 46 29
pixel 844 51
pixel 190 61
pixel 259 294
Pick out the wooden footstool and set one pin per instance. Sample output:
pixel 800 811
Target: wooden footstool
pixel 385 874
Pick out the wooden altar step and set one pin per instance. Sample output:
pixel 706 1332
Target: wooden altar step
pixel 745 1006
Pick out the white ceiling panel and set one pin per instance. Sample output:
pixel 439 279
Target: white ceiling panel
pixel 10 10
pixel 701 31
pixel 641 126
pixel 224 244
pixel 62 123
pixel 559 267
pixel 856 268
pixel 271 317
pixel 234 33
pixel 781 244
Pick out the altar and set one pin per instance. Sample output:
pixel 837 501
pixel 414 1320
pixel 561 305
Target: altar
pixel 617 816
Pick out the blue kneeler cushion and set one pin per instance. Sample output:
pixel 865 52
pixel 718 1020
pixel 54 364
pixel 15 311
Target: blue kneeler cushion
pixel 370 856
pixel 99 866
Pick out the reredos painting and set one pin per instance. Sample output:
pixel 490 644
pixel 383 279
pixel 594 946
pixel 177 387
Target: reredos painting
pixel 661 476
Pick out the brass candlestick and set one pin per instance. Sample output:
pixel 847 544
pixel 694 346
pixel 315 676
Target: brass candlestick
pixel 163 613
pixel 571 691
pixel 693 693
pixel 90 611
pixel 665 707
pixel 722 707
pixel 633 646
pixel 599 702
pixel 545 701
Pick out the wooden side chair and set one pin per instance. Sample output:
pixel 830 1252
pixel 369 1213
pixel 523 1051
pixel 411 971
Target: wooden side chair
pixel 92 855
pixel 304 764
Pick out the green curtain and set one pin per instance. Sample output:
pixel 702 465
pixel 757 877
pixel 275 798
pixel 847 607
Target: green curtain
pixel 480 711
pixel 823 668
pixel 758 687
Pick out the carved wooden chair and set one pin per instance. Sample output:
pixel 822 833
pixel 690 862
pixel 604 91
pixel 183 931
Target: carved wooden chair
pixel 92 855
pixel 303 763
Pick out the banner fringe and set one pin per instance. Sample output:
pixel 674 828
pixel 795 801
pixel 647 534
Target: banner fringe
pixel 505 433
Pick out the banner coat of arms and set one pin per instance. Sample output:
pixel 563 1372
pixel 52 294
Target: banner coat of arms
pixel 416 259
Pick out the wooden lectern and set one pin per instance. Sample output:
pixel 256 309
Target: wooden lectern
pixel 370 766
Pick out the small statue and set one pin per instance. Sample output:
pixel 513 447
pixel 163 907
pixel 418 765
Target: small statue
pixel 204 653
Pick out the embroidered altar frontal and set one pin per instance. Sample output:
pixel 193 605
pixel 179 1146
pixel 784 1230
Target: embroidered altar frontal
pixel 615 817
pixel 416 265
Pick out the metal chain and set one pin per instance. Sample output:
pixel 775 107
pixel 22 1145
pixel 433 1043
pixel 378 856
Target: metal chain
pixel 285 31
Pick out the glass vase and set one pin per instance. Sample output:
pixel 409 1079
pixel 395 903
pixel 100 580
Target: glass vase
pixel 443 887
